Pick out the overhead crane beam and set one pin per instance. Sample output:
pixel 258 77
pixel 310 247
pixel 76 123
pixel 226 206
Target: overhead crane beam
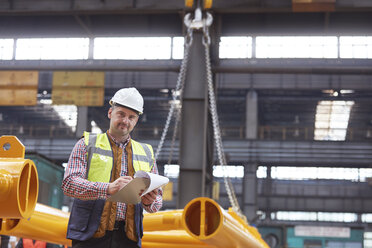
pixel 276 153
pixel 226 66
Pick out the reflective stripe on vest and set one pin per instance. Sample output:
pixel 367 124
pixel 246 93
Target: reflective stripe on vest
pixel 100 157
pixel 143 156
pixel 28 243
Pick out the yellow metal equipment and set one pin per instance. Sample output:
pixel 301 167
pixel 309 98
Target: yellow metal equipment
pixel 189 3
pixel 202 223
pixel 163 221
pixel 19 184
pixel 207 4
pixel 46 224
pixel 170 245
pixel 176 237
pixel 205 220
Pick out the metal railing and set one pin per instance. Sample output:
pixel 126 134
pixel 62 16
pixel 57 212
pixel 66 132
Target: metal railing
pixel 37 131
pixel 289 133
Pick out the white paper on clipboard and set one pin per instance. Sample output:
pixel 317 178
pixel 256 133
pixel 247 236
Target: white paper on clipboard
pixel 131 193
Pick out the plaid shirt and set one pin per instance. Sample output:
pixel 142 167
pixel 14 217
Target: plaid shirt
pixel 76 185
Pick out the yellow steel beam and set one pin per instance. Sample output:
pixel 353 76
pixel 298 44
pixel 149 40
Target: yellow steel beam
pixel 170 245
pixel 172 237
pixel 253 230
pixel 19 184
pixel 220 229
pixel 205 220
pixel 163 220
pixel 203 223
pixel 46 224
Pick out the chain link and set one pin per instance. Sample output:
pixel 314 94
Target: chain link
pixel 178 117
pixel 178 91
pixel 206 40
pixel 216 127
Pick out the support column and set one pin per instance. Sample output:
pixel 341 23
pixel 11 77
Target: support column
pixel 250 191
pixel 195 171
pixel 267 190
pixel 251 115
pixel 82 121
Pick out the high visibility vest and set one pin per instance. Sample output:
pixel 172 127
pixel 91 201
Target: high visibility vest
pixel 100 157
pixel 28 243
pixel 85 215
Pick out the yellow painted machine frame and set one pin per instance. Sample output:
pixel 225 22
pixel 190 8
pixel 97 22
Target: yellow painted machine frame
pixel 207 221
pixel 19 183
pixel 202 223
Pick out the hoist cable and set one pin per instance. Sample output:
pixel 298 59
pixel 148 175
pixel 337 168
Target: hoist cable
pixel 216 127
pixel 178 90
pixel 177 97
pixel 177 120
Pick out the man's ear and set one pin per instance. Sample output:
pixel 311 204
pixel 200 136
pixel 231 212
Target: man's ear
pixel 109 113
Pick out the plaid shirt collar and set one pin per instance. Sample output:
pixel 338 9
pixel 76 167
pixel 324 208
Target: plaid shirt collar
pixel 119 144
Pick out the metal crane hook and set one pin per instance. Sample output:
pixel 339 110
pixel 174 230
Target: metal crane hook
pixel 198 22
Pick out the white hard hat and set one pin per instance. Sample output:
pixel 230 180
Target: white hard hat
pixel 128 97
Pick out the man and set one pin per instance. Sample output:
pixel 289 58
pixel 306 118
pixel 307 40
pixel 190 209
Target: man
pixel 99 166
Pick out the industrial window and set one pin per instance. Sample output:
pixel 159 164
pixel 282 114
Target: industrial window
pixel 68 113
pixel 177 47
pixel 331 120
pixel 173 170
pixel 6 49
pixel 294 216
pixel 358 47
pixel 296 47
pixel 132 48
pixel 367 239
pixel 235 47
pixel 341 244
pixel 287 173
pixel 314 216
pixel 228 171
pixel 337 217
pixel 296 173
pixel 367 218
pixel 52 48
pixel 313 173
pixel 261 172
pixel 152 48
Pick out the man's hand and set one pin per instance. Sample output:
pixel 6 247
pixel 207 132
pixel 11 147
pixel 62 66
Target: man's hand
pixel 150 197
pixel 118 184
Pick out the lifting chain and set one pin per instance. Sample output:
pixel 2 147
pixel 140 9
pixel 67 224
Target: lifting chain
pixel 198 23
pixel 216 127
pixel 178 92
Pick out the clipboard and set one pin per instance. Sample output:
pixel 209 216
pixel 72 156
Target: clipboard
pixel 131 193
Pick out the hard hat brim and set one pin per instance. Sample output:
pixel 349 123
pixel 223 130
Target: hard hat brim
pixel 112 103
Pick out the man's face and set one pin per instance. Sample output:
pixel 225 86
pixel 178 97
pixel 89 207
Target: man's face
pixel 122 120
